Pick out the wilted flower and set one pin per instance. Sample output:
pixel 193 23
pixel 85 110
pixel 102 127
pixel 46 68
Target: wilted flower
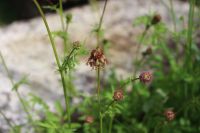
pixel 145 77
pixel 169 114
pixel 118 95
pixel 148 51
pixel 97 58
pixel 156 19
pixel 89 119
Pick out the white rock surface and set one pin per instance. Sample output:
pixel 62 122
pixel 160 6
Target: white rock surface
pixel 27 50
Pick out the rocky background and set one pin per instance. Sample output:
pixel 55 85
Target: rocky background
pixel 27 50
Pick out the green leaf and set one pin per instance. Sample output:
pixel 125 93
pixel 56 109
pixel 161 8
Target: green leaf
pixel 20 82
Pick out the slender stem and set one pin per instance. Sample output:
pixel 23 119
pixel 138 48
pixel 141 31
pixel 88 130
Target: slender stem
pixel 98 88
pixel 102 15
pixel 12 82
pixel 173 14
pixel 110 124
pixel 62 74
pixel 8 121
pixel 101 124
pixel 63 25
pixel 108 107
pixel 139 46
pixel 129 80
pixel 100 22
pixel 99 98
pixel 68 57
pixel 61 14
pixel 190 30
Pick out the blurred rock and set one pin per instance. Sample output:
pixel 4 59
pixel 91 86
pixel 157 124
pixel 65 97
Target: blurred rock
pixel 27 50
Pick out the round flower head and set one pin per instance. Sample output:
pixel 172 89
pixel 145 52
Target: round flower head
pixel 156 19
pixel 89 119
pixel 169 114
pixel 76 45
pixel 148 51
pixel 118 95
pixel 97 58
pixel 145 77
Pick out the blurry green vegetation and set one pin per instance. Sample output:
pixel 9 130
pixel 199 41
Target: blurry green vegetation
pixel 175 61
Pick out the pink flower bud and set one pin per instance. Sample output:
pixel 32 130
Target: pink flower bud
pixel 145 77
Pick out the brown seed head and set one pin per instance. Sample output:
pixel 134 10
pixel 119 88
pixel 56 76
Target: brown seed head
pixel 156 19
pixel 145 77
pixel 148 51
pixel 169 114
pixel 97 59
pixel 76 45
pixel 89 119
pixel 118 95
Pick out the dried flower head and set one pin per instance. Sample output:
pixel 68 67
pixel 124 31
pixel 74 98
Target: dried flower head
pixel 145 77
pixel 89 119
pixel 118 95
pixel 169 114
pixel 97 59
pixel 148 51
pixel 156 19
pixel 76 45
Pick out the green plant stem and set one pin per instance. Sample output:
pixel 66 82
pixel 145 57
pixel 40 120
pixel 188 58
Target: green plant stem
pixel 139 46
pixel 173 14
pixel 16 91
pixel 62 73
pixel 61 14
pixel 63 26
pixel 190 33
pixel 108 107
pixel 101 123
pixel 110 124
pixel 98 97
pixel 8 121
pixel 100 23
pixel 102 15
pixel 128 81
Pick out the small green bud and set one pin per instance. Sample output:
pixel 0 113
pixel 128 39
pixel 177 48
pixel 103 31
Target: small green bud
pixel 68 18
pixel 76 45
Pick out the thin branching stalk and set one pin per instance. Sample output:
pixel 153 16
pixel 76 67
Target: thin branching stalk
pixel 98 69
pixel 8 121
pixel 62 73
pixel 110 124
pixel 61 14
pixel 100 23
pixel 190 32
pixel 173 14
pixel 16 90
pixel 63 26
pixel 139 46
pixel 99 98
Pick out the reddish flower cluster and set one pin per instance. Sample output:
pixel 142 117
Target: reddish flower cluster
pixel 89 119
pixel 118 95
pixel 97 58
pixel 145 77
pixel 169 114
